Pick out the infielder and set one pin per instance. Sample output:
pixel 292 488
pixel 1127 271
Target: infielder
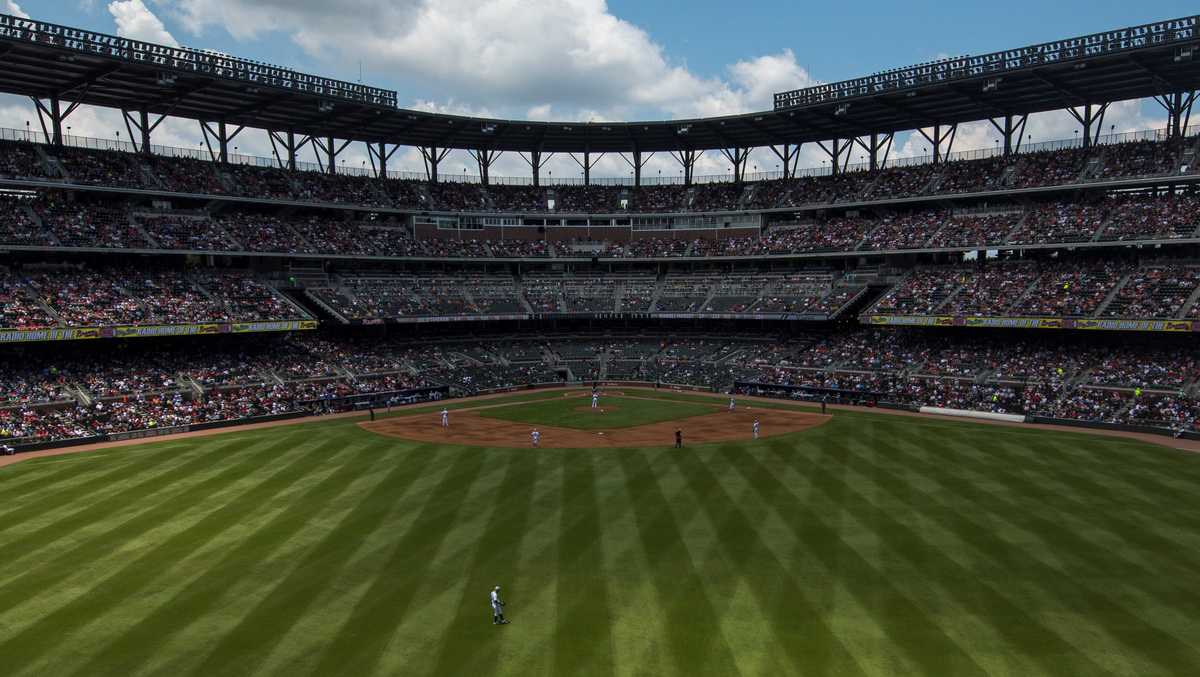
pixel 595 399
pixel 756 428
pixel 445 418
pixel 497 608
pixel 536 437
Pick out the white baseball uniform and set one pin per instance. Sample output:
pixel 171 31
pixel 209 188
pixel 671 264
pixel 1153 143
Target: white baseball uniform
pixel 445 418
pixel 536 436
pixel 756 430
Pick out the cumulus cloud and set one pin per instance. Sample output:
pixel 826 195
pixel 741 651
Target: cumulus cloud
pixel 135 20
pixel 11 7
pixel 568 56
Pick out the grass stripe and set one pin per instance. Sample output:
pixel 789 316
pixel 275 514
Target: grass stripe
pixel 44 635
pixel 207 593
pixel 358 644
pixel 182 486
pixel 693 643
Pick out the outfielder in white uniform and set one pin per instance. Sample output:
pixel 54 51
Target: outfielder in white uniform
pixel 536 437
pixel 497 607
pixel 732 403
pixel 445 418
pixel 756 428
pixel 595 400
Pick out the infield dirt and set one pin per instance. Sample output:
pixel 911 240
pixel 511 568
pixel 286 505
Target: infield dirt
pixel 470 429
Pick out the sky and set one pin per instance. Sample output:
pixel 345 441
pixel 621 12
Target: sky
pixel 591 59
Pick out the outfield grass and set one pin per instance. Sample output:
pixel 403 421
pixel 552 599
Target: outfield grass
pixel 871 545
pixel 613 412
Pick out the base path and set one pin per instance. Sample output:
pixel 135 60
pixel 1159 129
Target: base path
pixel 471 429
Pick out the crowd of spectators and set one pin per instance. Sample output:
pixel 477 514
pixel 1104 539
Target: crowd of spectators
pixel 78 296
pixel 142 386
pixel 1021 170
pixel 1049 288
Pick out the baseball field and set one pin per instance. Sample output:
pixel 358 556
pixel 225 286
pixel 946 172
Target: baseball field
pixel 856 544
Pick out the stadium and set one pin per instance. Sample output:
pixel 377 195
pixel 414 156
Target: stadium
pixel 930 414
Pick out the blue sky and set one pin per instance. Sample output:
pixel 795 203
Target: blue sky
pixel 587 59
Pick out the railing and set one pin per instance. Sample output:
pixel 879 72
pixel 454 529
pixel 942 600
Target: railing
pixel 997 63
pixel 201 152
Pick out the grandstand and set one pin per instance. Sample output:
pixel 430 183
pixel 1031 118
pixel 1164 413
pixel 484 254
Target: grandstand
pixel 147 291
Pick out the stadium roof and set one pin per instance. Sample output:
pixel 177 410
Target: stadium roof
pixel 46 60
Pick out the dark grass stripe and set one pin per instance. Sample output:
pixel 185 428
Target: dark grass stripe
pixel 47 633
pixel 1152 645
pixel 908 627
pixel 69 486
pixel 467 646
pixel 30 477
pixel 694 641
pixel 250 642
pixel 181 487
pixel 128 652
pixel 799 630
pixel 359 643
pixel 583 631
pixel 1036 641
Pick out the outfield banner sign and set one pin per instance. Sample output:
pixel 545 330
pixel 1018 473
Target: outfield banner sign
pixel 1174 326
pixel 151 331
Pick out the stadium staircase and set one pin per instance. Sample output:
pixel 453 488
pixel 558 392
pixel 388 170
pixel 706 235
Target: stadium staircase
pixel 149 177
pixel 1016 227
pixel 1112 296
pixel 190 384
pixel 140 230
pixel 1191 301
pixel 51 164
pixel 36 219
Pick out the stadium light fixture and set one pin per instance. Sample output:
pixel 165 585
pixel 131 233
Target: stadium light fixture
pixel 1184 53
pixel 991 85
pixel 842 109
pixel 166 79
pixel 325 107
pixel 488 128
pixel 683 130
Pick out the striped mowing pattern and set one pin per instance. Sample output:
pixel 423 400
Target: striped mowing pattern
pixel 872 545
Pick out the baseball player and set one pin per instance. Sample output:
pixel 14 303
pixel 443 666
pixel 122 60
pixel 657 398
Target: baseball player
pixel 445 418
pixel 756 428
pixel 732 403
pixel 497 607
pixel 595 399
pixel 536 437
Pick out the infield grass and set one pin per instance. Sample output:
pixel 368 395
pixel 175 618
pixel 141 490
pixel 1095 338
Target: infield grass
pixel 870 545
pixel 613 412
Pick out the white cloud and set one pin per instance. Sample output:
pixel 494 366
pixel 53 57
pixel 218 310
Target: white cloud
pixel 135 20
pixel 11 7
pixel 570 57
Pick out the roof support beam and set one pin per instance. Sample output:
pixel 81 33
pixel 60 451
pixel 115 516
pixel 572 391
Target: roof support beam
pixel 789 155
pixel 536 161
pixel 737 158
pixel 687 162
pixel 639 161
pixel 1088 118
pixel 1008 130
pixel 485 157
pixel 1179 111
pixel 938 138
pixel 379 156
pixel 875 144
pixel 586 164
pixel 221 135
pixel 432 156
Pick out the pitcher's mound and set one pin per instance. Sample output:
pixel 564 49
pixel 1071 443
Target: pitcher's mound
pixel 469 428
